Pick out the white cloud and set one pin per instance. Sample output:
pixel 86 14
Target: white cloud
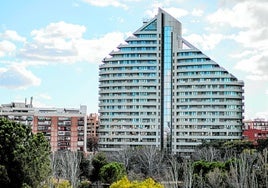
pixel 197 12
pixel 243 54
pixel 262 115
pixel 255 65
pixel 12 35
pixel 44 96
pixel 105 3
pixel 17 77
pixel 38 103
pixel 58 30
pixel 94 50
pixel 257 77
pixel 205 42
pixel 249 18
pixel 64 43
pixel 6 48
pixel 253 38
pixel 244 14
pixel 175 12
pixel 54 43
pixel 152 12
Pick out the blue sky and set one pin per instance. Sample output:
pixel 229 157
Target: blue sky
pixel 51 49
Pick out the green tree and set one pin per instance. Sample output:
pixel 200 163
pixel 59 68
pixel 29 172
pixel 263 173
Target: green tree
pixel 4 179
pixel 85 168
pixel 98 161
pixel 24 156
pixel 237 146
pixel 37 162
pixel 206 166
pixel 262 144
pixel 112 172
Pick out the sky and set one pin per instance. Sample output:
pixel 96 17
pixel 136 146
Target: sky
pixel 51 50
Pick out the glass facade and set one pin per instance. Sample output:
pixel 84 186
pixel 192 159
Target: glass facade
pixel 167 83
pixel 152 90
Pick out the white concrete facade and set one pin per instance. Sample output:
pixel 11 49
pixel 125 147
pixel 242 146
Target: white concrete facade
pixel 158 89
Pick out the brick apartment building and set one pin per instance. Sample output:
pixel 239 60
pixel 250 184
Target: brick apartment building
pixel 256 129
pixel 65 128
pixel 92 125
pixel 92 135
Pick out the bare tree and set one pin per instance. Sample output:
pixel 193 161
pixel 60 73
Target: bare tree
pixel 262 167
pixel 124 156
pixel 207 153
pixel 241 171
pixel 54 166
pixel 188 174
pixel 174 171
pixel 199 181
pixel 150 160
pixel 228 154
pixel 66 165
pixel 215 178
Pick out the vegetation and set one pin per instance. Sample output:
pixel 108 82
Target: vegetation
pixel 112 172
pixel 218 164
pixel 147 183
pixel 85 168
pixel 61 183
pixel 24 157
pixel 26 161
pixel 92 144
pixel 66 165
pixel 98 162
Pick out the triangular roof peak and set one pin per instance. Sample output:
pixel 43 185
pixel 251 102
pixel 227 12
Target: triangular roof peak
pixel 161 11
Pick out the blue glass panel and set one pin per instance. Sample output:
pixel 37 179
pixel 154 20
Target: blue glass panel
pixel 167 76
pixel 151 27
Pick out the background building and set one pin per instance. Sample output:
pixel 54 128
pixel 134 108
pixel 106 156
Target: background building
pixel 92 125
pixel 65 128
pixel 256 129
pixel 159 90
pixel 18 112
pixel 92 135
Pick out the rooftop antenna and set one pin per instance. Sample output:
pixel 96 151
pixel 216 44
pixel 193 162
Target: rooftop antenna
pixel 145 20
pixel 31 102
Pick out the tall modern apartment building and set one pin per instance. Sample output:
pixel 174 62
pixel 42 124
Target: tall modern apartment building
pixel 159 90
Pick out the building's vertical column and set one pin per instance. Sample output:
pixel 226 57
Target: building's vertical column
pixel 166 72
pixel 85 134
pixel 162 84
pixel 35 124
pixel 74 133
pixel 81 136
pixel 54 133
